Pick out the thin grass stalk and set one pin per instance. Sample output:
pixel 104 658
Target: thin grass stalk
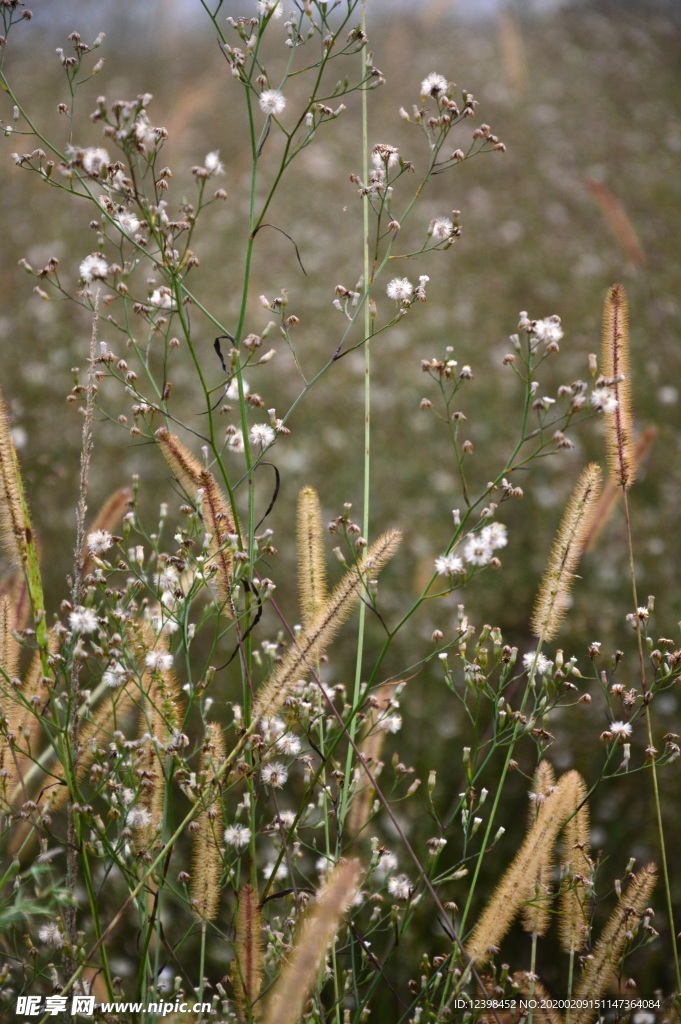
pixel 73 828
pixel 367 283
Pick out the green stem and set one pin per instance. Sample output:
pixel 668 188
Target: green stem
pixel 367 434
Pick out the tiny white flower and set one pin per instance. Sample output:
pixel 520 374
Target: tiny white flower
pixel 235 441
pixel 127 221
pixel 495 534
pixel 159 660
pixel 477 550
pixel 168 578
pixel 93 268
pixel 390 723
pixel 212 164
pixel 238 836
pixel 232 389
pixel 282 870
pixel 543 666
pixel 83 620
pixel 274 774
pixel 549 330
pixel 400 289
pixel 272 7
pixel 434 85
pixel 440 228
pixel 288 744
pixel 162 298
pixel 399 887
pixel 51 935
pixel 447 565
pixel 603 400
pixel 262 435
pixel 99 541
pixel 620 729
pixel 95 160
pixel 272 102
pixel 113 675
pixel 138 817
pixel 383 155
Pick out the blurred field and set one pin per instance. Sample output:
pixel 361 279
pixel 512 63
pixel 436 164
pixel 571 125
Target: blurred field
pixel 588 102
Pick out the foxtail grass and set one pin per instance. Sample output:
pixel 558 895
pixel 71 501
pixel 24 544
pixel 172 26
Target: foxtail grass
pixel 512 890
pixel 603 963
pixel 552 598
pixel 314 640
pixel 311 560
pixel 290 993
pixel 616 369
pixel 247 966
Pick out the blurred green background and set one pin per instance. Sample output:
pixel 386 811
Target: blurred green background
pixel 587 98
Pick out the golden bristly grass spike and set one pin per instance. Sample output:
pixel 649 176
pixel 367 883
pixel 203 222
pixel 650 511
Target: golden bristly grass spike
pixel 206 859
pixel 512 890
pixel 247 966
pixel 291 991
pixel 603 963
pixel 617 373
pixel 536 914
pixel 552 598
pixel 311 560
pixel 307 648
pixel 577 868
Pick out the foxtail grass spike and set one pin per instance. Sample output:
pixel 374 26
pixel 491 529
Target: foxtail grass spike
pixel 311 561
pixel 536 914
pixel 576 866
pixel 247 966
pixel 23 723
pixel 183 463
pixel 552 598
pixel 615 360
pixel 602 965
pixel 544 1012
pixel 206 859
pixel 512 890
pixel 199 482
pixel 307 648
pixel 220 525
pixel 16 532
pixel 291 991
pixel 9 646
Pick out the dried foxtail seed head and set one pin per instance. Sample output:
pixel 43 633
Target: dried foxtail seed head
pixel 616 369
pixel 552 598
